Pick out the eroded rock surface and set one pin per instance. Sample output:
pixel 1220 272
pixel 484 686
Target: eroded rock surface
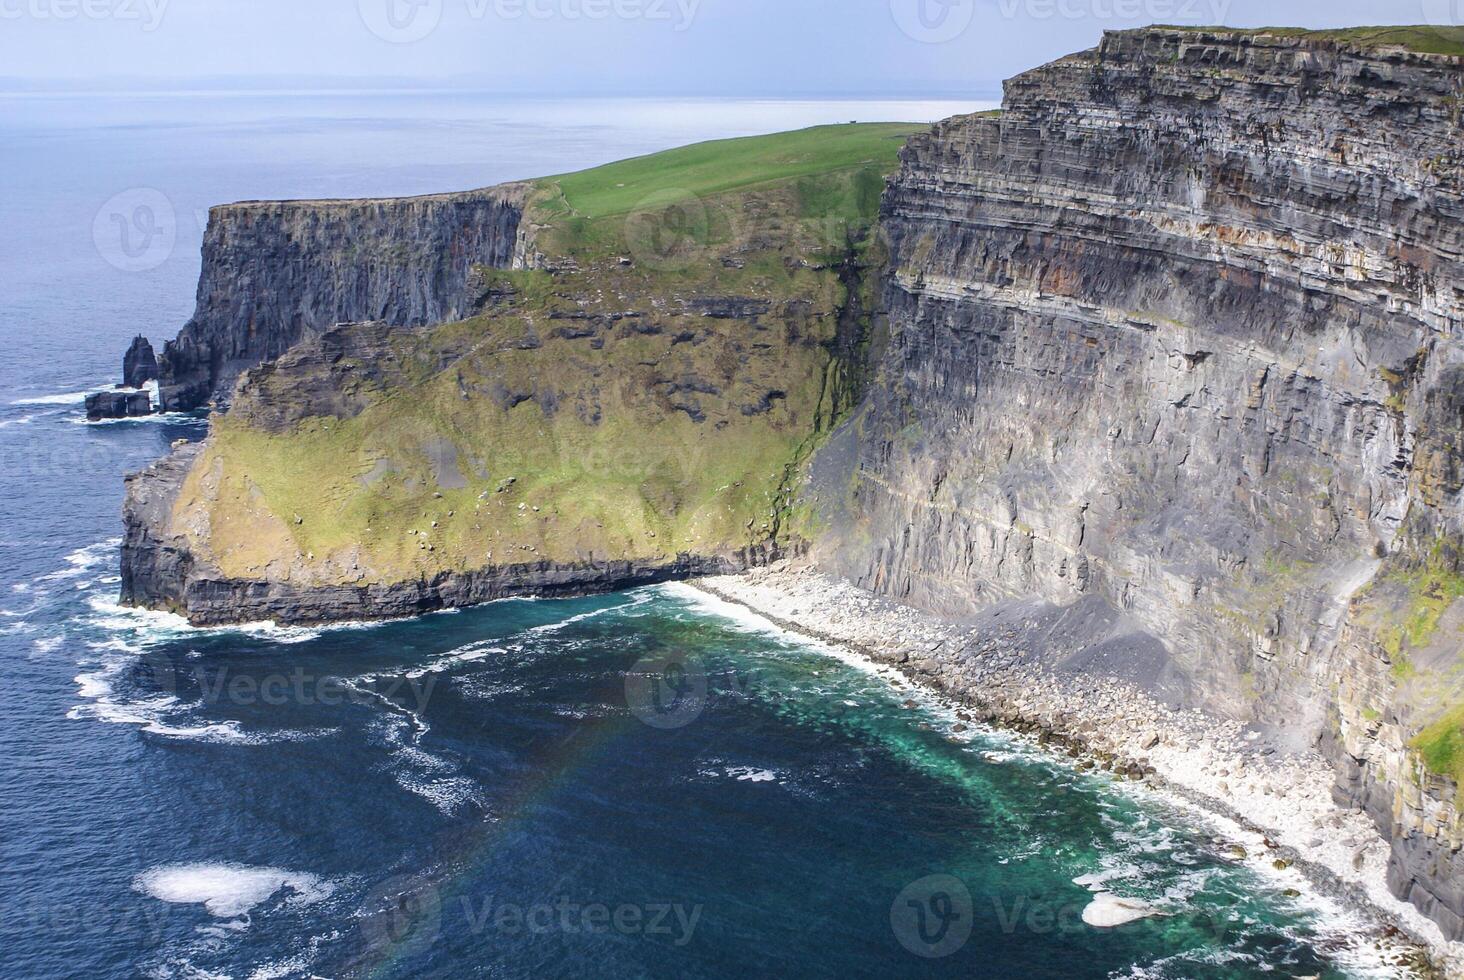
pixel 277 272
pixel 1180 331
pixel 139 364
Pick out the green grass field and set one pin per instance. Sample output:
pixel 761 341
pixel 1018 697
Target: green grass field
pixel 707 169
pixel 1423 38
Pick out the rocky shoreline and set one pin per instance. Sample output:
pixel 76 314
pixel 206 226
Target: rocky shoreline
pixel 1282 799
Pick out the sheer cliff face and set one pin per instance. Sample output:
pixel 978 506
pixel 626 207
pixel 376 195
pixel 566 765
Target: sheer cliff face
pixel 275 273
pixel 1181 329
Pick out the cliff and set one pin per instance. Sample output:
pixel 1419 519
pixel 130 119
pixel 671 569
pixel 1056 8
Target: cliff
pixel 1171 345
pixel 630 402
pixel 1179 331
pixel 275 273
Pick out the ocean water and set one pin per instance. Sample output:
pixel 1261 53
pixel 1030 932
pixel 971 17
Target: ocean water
pixel 647 784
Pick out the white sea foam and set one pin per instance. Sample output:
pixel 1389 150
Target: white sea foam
pixel 298 963
pixel 95 686
pixel 161 715
pixel 463 655
pixel 637 599
pixel 1109 911
pixel 147 623
pixel 152 625
pixel 66 398
pixel 82 560
pixel 1098 881
pixel 229 890
pixel 23 420
pixel 751 622
pixel 750 774
pixel 166 717
pixel 482 688
pixel 448 795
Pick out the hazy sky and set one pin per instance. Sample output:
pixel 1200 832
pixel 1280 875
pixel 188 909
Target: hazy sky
pixel 595 46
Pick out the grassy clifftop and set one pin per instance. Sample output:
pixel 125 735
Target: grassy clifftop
pixel 1423 38
pixel 684 330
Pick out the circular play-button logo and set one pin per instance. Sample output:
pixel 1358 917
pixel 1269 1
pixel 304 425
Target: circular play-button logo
pixel 932 917
pixel 1443 13
pixel 136 230
pixel 933 21
pixel 401 21
pixel 667 691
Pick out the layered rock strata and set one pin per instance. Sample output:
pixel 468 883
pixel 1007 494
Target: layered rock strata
pixel 1180 331
pixel 275 273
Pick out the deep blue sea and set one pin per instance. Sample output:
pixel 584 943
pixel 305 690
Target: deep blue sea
pixel 639 785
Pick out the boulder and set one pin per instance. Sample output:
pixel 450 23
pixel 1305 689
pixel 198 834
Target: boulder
pixel 118 405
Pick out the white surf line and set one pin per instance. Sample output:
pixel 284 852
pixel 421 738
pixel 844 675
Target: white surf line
pixel 582 617
pixel 420 727
pixel 68 398
pixel 1342 921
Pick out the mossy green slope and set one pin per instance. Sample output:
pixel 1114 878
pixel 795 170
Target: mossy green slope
pixel 685 332
pixel 1441 746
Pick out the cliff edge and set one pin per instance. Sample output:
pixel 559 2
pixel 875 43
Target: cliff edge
pixel 279 272
pixel 1181 331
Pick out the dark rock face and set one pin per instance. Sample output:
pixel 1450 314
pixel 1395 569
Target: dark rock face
pixel 139 364
pixel 275 273
pixel 154 568
pixel 1181 331
pixel 331 374
pixel 118 405
pixel 214 602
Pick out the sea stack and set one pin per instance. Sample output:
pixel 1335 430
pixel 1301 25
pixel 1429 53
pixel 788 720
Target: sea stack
pixel 139 364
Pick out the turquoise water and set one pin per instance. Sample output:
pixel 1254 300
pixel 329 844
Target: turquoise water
pixel 632 785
